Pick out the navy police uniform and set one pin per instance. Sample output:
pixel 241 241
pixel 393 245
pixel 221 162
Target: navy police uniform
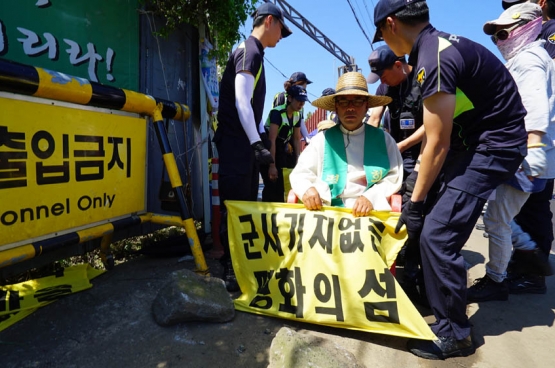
pixel 488 143
pixel 238 170
pixel 405 117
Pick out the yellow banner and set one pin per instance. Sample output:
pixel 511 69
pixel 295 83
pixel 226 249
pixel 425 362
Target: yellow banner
pixel 63 168
pixel 19 300
pixel 325 267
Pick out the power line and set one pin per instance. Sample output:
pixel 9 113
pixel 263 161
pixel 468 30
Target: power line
pixel 364 18
pixel 356 18
pixel 284 76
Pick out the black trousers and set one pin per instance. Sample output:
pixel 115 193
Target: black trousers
pixel 238 179
pixel 469 177
pixel 273 190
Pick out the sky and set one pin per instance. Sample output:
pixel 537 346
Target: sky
pixel 335 19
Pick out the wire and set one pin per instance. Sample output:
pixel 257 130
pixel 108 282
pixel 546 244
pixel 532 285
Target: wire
pixel 284 76
pixel 358 22
pixel 364 18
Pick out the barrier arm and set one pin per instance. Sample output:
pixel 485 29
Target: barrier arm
pixel 38 82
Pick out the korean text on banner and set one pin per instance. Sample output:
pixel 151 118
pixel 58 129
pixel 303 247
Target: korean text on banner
pixel 324 267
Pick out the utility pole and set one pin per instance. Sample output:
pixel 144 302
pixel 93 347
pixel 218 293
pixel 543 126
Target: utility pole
pixel 304 25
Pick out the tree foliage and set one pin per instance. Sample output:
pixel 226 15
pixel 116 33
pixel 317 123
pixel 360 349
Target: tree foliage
pixel 223 18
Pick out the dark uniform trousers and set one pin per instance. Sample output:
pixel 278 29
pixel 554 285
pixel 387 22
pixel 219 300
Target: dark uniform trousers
pixel 535 218
pixel 238 179
pixel 469 178
pixel 274 191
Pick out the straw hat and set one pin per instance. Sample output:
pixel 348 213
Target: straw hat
pixel 326 124
pixel 352 83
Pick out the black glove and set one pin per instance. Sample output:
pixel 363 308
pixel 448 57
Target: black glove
pixel 266 141
pixel 413 217
pixel 261 154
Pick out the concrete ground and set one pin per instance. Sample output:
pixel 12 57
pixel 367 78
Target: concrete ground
pixel 110 325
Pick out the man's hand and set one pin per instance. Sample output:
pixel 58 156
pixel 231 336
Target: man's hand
pixel 311 199
pixel 272 172
pixel 413 217
pixel 535 163
pixel 362 207
pixel 261 154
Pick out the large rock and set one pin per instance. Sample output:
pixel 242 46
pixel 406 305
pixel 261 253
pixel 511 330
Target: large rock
pixel 189 297
pixel 290 349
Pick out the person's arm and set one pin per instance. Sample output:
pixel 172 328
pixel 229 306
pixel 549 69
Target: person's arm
pixel 438 123
pixel 530 76
pixel 376 116
pixel 272 170
pixel 244 88
pixel 297 143
pixel 304 132
pixel 413 140
pixel 305 177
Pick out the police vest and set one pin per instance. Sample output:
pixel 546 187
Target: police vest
pixel 285 130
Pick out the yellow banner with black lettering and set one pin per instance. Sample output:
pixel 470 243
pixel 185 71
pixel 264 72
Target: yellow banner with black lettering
pixel 17 301
pixel 324 267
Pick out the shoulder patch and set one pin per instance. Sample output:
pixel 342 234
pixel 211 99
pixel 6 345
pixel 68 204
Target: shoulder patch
pixel 421 76
pixel 551 38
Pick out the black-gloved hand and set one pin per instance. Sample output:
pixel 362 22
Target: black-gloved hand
pixel 261 154
pixel 266 141
pixel 413 217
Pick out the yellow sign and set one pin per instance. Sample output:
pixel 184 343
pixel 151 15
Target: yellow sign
pixel 63 168
pixel 19 300
pixel 325 267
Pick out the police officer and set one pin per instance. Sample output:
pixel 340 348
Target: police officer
pixel 284 132
pixel 237 138
pixel 475 135
pixel 296 79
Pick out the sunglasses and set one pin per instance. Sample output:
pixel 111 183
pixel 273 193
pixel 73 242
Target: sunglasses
pixel 357 102
pixel 503 34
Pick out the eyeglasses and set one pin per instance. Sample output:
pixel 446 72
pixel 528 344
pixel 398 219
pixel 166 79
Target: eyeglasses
pixel 357 102
pixel 503 34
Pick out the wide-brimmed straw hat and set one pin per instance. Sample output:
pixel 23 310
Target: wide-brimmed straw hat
pixel 352 83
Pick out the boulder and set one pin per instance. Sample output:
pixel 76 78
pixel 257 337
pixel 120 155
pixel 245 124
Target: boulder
pixel 189 297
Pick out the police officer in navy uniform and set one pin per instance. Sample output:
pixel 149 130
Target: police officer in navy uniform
pixel 474 135
pixel 284 133
pixel 237 138
pixel 535 217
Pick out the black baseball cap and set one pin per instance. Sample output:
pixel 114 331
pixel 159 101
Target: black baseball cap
pixel 299 77
pixel 298 93
pixel 379 60
pixel 385 8
pixel 508 3
pixel 271 9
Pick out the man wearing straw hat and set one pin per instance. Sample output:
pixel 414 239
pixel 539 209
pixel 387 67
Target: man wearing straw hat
pixel 475 136
pixel 351 164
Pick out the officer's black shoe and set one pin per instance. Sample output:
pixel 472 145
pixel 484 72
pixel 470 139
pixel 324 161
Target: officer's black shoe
pixel 229 277
pixel 485 289
pixel 443 348
pixel 527 284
